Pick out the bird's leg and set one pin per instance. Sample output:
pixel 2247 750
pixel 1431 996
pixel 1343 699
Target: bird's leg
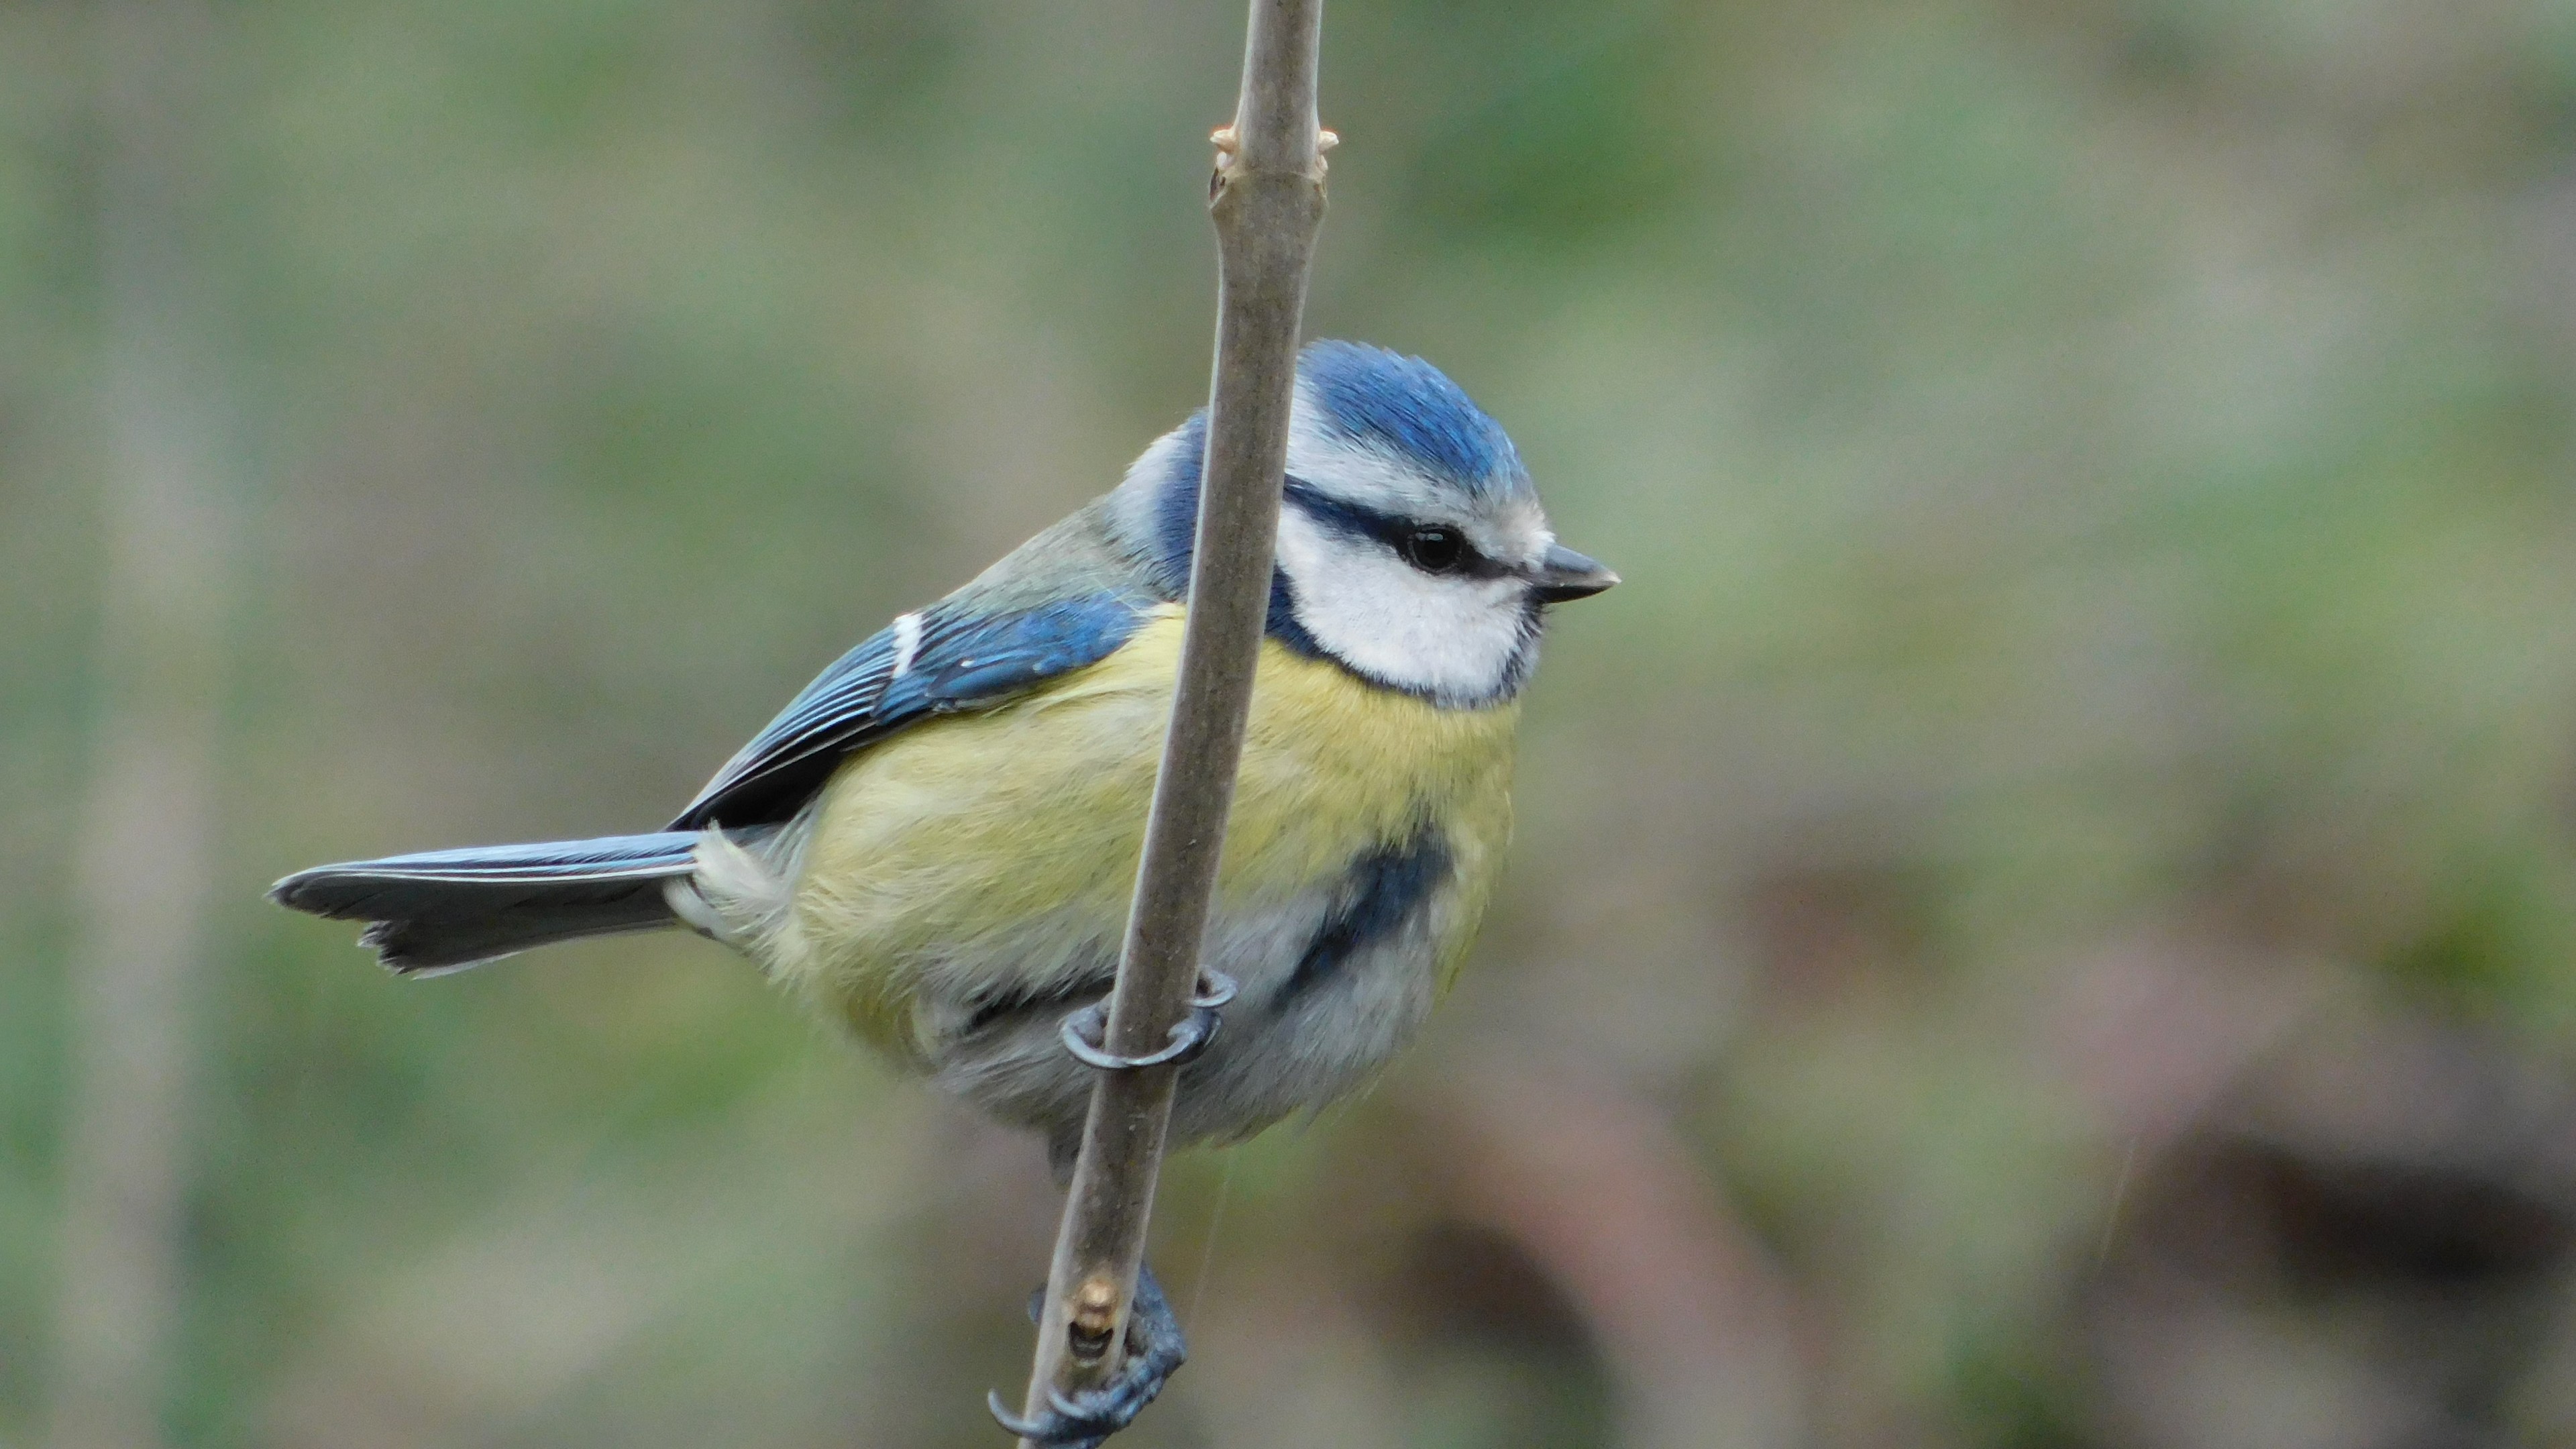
pixel 1086 1031
pixel 1154 1343
pixel 1082 1420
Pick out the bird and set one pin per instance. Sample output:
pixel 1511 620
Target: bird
pixel 935 843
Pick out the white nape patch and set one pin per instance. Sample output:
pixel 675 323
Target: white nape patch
pixel 907 642
pixel 1133 504
pixel 1453 636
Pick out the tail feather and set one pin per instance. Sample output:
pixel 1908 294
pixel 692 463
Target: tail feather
pixel 445 910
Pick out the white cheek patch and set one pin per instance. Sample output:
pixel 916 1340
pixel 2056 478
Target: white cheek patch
pixel 1451 636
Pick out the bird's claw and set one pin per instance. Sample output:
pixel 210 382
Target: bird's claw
pixel 1086 1030
pixel 1083 1419
pixel 1071 1421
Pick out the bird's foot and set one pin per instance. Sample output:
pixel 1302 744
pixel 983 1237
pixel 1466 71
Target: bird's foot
pixel 1086 1031
pixel 1083 1419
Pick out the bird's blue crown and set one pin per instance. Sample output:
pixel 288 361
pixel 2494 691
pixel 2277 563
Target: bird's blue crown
pixel 1410 408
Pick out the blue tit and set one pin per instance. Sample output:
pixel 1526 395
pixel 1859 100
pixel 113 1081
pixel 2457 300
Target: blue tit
pixel 935 843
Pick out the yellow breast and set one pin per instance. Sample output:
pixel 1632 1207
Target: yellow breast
pixel 1007 841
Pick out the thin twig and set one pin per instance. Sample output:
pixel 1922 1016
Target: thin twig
pixel 1267 202
pixel 1207 1248
pixel 2119 1194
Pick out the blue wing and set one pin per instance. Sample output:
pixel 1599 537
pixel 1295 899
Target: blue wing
pixel 959 660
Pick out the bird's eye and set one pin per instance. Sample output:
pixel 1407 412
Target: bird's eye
pixel 1434 550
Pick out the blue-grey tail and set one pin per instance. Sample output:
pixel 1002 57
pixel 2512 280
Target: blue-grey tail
pixel 445 910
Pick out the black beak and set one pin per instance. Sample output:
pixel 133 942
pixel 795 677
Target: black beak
pixel 1564 574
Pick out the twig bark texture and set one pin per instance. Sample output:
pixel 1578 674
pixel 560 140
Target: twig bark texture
pixel 1267 201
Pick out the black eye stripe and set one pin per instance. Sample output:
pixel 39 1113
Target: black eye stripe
pixel 1352 520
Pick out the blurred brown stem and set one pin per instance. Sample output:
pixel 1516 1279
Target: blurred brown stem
pixel 145 855
pixel 1267 203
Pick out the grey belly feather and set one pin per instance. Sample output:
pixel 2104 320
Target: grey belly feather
pixel 1334 982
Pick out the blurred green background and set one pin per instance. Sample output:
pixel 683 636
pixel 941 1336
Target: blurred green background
pixel 2043 908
